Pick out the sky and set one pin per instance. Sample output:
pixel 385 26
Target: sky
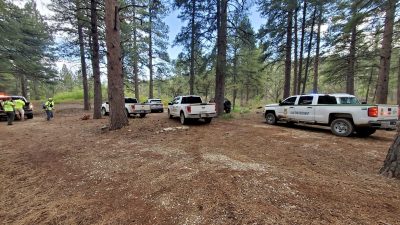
pixel 172 20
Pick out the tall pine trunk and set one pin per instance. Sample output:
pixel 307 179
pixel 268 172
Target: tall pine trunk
pixel 222 19
pixel 151 84
pixel 135 57
pixel 303 27
pixel 118 117
pixel 391 165
pixel 317 57
pixel 386 51
pixel 309 51
pixel 24 86
pixel 351 60
pixel 192 48
pixel 95 61
pixel 235 74
pixel 288 49
pixel 295 53
pixel 86 104
pixel 398 83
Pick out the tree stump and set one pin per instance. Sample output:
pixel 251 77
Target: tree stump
pixel 391 166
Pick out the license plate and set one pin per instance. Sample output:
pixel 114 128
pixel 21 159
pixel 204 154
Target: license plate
pixel 204 115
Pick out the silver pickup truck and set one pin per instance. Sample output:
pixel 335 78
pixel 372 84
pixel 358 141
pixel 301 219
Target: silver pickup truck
pixel 342 112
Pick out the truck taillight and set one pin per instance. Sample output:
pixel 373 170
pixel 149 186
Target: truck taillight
pixel 373 111
pixel 189 108
pixel 133 107
pixel 398 113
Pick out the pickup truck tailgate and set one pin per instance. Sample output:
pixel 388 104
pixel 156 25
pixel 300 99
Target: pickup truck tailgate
pixel 388 112
pixel 140 107
pixel 202 108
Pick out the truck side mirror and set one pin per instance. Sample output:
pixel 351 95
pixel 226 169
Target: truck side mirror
pixel 169 103
pixel 364 102
pixel 280 101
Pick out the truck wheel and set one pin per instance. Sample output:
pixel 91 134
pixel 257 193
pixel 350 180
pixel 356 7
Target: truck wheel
pixel 207 120
pixel 342 127
pixel 142 115
pixel 127 113
pixel 104 112
pixel 183 119
pixel 169 114
pixel 365 132
pixel 270 118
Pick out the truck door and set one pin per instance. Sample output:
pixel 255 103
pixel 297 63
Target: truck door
pixel 175 106
pixel 284 111
pixel 304 110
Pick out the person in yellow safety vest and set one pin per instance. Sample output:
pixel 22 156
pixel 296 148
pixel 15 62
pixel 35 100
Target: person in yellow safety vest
pixel 19 109
pixel 8 107
pixel 49 107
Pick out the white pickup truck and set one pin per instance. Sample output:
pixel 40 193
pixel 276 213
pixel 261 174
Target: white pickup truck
pixel 342 112
pixel 191 107
pixel 132 107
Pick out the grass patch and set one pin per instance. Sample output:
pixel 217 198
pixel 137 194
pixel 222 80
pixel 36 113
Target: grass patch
pixel 228 116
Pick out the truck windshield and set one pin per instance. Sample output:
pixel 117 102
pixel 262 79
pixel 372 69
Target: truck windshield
pixel 348 100
pixel 191 100
pixel 130 100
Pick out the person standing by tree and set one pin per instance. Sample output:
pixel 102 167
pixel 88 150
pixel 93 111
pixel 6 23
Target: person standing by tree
pixel 19 109
pixel 49 107
pixel 8 107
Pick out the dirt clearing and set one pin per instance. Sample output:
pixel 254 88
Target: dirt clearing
pixel 155 171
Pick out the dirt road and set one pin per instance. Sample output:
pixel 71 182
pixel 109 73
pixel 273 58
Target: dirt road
pixel 237 171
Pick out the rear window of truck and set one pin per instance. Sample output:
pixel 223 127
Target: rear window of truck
pixel 191 100
pixel 348 100
pixel 326 100
pixel 130 100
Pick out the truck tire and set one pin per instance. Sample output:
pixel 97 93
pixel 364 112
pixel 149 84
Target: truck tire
pixel 169 114
pixel 142 115
pixel 207 120
pixel 183 119
pixel 365 132
pixel 127 113
pixel 342 127
pixel 270 118
pixel 29 116
pixel 103 111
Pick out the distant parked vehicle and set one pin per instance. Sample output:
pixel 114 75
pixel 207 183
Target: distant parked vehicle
pixel 28 108
pixel 155 105
pixel 132 107
pixel 191 107
pixel 227 106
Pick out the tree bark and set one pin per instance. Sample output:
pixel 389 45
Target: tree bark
pixel 309 52
pixel 95 61
pixel 24 88
pixel 386 51
pixel 86 104
pixel 303 27
pixel 235 74
pixel 398 84
pixel 118 117
pixel 222 6
pixel 136 57
pixel 317 57
pixel 288 61
pixel 192 48
pixel 351 63
pixel 391 165
pixel 151 85
pixel 295 53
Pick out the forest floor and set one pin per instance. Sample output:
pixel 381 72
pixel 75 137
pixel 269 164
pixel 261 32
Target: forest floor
pixel 154 171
